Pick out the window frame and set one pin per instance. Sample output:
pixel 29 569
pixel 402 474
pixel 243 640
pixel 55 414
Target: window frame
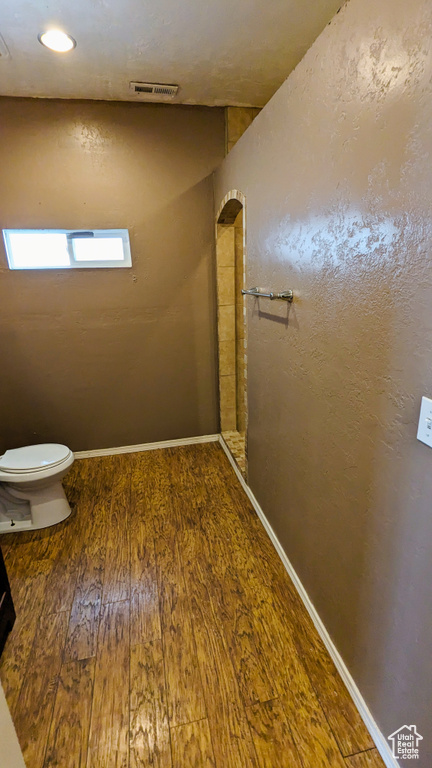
pixel 125 263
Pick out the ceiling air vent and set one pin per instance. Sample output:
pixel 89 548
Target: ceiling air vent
pixel 153 91
pixel 4 53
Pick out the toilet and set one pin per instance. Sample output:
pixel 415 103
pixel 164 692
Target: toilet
pixel 31 492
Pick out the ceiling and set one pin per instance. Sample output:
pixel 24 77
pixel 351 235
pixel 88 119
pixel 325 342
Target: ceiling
pixel 220 52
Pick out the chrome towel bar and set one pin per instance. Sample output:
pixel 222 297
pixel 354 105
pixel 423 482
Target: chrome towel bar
pixel 284 296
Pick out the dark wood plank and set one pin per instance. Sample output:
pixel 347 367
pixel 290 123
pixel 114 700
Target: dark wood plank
pixel 33 553
pixel 312 734
pixel 87 601
pixel 242 628
pixel 184 689
pixel 68 735
pixel 109 728
pixel 272 736
pixel 42 580
pixel 344 719
pixel 149 731
pixel 229 542
pixel 167 517
pixel 145 620
pixel 188 495
pixel 350 732
pixel 244 631
pixel 232 741
pixel 65 550
pixel 369 759
pixel 192 746
pixel 32 715
pixel 117 566
pixel 86 607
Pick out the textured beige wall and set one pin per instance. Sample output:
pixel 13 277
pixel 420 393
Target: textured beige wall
pixel 338 182
pixel 98 358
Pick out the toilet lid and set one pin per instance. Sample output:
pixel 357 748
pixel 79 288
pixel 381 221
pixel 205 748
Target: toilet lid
pixel 33 457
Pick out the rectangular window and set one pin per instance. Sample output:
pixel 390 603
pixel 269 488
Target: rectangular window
pixel 67 248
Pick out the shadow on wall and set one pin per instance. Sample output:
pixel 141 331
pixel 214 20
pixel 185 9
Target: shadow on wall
pixel 87 342
pixel 285 314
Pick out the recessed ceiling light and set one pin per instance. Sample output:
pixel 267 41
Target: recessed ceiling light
pixel 57 40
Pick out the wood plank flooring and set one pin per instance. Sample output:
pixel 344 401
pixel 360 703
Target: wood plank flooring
pixel 158 627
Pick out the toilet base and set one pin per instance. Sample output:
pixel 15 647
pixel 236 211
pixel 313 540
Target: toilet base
pixel 48 506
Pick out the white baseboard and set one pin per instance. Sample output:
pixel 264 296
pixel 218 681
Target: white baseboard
pixel 147 446
pixel 379 739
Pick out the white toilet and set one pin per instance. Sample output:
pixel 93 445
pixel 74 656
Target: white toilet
pixel 31 492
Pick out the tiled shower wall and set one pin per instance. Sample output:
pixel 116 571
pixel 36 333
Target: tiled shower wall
pixel 237 121
pixel 227 326
pixel 231 324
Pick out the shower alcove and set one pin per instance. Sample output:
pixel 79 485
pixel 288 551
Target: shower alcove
pixel 232 338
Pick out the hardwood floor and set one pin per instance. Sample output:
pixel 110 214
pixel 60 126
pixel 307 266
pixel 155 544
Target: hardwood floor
pixel 158 627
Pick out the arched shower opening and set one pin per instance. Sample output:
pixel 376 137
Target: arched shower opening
pixel 232 337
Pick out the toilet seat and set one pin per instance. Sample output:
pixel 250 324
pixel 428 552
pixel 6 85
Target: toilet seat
pixel 34 458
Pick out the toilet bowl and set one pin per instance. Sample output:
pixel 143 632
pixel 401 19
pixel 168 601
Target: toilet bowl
pixel 31 492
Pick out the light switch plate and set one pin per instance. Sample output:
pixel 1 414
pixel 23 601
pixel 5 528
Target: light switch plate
pixel 424 432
